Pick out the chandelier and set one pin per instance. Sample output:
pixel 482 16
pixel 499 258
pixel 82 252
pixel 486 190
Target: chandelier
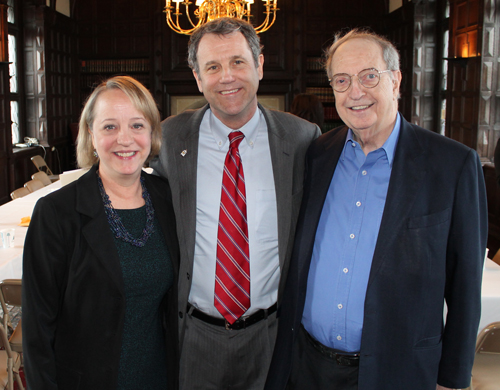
pixel 212 9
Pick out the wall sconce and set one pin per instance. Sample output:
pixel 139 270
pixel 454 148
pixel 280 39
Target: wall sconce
pixel 466 45
pixel 464 50
pixel 4 32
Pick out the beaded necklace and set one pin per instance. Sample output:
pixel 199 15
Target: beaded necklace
pixel 116 223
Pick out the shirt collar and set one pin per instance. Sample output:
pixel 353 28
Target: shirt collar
pixel 220 131
pixel 389 145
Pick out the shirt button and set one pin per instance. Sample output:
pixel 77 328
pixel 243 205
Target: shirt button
pixel 251 143
pixel 345 270
pixel 340 306
pixel 339 337
pixel 352 236
pixel 364 173
pixel 358 203
pixel 220 143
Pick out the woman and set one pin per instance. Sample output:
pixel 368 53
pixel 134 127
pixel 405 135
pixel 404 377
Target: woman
pixel 101 258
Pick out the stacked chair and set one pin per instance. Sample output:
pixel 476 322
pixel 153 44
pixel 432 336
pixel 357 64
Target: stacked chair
pixel 33 185
pixel 42 166
pixel 42 176
pixel 19 193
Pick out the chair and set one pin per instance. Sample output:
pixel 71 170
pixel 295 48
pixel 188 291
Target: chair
pixel 19 193
pixel 11 361
pixel 42 166
pixel 10 294
pixel 42 176
pixel 33 185
pixel 485 372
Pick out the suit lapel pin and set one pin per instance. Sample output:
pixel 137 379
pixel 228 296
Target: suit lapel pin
pixel 184 152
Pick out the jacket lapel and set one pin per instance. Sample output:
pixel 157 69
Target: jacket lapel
pixel 319 176
pixel 185 161
pixel 96 229
pixel 407 173
pixel 280 147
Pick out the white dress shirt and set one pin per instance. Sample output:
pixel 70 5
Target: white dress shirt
pixel 261 212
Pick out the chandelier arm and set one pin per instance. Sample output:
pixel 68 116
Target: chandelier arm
pixel 176 28
pixel 270 9
pixel 176 25
pixel 195 26
pixel 265 25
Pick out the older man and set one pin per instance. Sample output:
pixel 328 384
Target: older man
pixel 236 202
pixel 393 224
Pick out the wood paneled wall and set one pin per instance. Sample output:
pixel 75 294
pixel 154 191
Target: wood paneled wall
pixel 489 95
pixel 51 98
pixel 5 133
pixel 301 29
pixel 51 82
pixel 473 113
pixel 464 73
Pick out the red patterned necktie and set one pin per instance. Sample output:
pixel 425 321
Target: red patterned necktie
pixel 232 272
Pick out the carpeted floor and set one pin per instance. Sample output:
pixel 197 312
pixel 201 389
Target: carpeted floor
pixel 21 374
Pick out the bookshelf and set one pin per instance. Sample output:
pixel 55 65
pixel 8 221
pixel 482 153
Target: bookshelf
pixel 94 71
pixel 317 84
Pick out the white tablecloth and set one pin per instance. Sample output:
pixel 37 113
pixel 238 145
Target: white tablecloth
pixel 490 294
pixel 11 259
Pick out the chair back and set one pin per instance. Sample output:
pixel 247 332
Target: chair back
pixel 33 185
pixel 42 176
pixel 10 292
pixel 488 340
pixel 19 193
pixel 41 165
pixel 485 372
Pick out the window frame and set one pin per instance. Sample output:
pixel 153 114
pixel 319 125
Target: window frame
pixel 15 29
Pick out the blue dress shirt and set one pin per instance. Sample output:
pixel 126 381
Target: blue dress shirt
pixel 345 242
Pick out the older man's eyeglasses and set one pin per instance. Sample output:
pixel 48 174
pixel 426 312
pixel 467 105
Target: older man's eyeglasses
pixel 368 78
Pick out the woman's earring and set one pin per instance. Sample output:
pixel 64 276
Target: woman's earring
pixel 95 153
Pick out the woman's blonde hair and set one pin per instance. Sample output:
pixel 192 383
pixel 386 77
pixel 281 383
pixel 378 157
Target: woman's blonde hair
pixel 141 99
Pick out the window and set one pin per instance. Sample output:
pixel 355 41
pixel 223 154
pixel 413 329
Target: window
pixel 445 39
pixel 14 71
pixel 10 11
pixel 14 104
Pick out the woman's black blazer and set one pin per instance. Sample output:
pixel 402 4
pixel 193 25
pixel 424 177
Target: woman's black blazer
pixel 73 300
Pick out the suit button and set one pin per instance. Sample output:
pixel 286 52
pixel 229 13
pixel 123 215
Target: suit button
pixel 188 276
pixel 181 315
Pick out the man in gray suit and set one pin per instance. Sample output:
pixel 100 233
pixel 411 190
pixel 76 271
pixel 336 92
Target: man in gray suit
pixel 217 353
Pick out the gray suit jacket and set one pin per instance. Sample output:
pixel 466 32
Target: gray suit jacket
pixel 289 138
